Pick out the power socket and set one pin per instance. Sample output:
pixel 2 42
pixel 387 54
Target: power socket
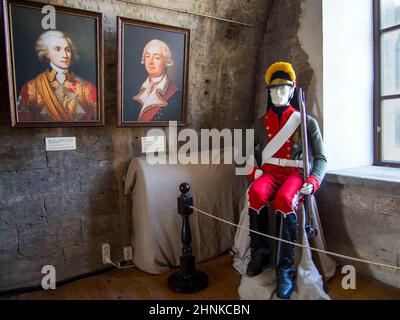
pixel 128 254
pixel 106 252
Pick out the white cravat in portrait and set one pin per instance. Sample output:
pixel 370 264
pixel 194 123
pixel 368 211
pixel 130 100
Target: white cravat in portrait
pixel 149 96
pixel 60 76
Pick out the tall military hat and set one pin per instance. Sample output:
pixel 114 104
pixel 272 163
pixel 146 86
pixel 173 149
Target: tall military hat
pixel 280 73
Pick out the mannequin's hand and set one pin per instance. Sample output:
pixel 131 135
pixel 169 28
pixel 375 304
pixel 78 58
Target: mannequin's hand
pixel 307 189
pixel 258 174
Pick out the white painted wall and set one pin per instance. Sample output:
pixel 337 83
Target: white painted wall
pixel 348 82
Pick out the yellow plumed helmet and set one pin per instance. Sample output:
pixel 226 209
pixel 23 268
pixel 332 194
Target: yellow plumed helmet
pixel 280 73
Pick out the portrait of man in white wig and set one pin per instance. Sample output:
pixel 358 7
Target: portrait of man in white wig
pixel 158 98
pixel 57 94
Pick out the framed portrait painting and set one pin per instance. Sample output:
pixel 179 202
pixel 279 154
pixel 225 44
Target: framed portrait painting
pixel 152 73
pixel 55 65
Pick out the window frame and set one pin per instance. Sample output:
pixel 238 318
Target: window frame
pixel 378 97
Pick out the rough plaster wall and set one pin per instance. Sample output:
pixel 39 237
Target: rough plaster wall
pixel 310 37
pixel 59 207
pixel 361 218
pixel 281 43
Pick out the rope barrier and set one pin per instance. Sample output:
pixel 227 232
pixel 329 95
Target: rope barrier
pixel 298 244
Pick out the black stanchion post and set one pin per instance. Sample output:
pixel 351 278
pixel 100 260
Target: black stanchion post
pixel 188 279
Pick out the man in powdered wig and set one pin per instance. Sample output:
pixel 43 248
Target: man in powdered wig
pixel 57 94
pixel 158 98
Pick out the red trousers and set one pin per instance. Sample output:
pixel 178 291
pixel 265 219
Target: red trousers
pixel 281 184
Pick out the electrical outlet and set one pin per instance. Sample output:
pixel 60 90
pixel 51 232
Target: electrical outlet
pixel 106 251
pixel 128 253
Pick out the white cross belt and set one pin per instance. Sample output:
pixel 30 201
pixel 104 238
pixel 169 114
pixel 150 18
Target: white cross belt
pixel 285 162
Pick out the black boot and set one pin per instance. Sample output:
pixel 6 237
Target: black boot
pixel 285 271
pixel 259 245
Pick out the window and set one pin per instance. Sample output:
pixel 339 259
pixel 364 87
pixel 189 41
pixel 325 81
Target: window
pixel 387 82
pixel 397 64
pixel 397 127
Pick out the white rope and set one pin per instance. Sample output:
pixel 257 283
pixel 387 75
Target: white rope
pixel 298 244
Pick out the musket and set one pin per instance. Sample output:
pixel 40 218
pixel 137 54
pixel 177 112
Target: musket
pixel 311 231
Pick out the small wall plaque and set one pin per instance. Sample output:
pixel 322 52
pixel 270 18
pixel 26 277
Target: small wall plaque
pixel 59 144
pixel 153 144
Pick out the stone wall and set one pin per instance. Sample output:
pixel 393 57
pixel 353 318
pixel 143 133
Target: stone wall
pixel 59 207
pixel 359 209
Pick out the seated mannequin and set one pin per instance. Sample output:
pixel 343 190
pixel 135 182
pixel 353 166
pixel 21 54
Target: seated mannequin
pixel 279 178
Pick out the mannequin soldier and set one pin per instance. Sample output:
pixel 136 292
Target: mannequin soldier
pixel 279 176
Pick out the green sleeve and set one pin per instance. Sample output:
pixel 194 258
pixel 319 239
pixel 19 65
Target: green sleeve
pixel 317 150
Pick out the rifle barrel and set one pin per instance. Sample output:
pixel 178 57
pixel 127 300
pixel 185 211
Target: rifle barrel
pixel 303 117
pixel 307 200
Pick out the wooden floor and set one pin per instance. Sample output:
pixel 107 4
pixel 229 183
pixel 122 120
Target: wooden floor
pixel 224 281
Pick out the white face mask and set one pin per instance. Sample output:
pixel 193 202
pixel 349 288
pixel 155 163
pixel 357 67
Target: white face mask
pixel 280 95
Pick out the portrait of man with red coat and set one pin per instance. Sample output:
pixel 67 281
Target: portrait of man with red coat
pixel 158 98
pixel 57 94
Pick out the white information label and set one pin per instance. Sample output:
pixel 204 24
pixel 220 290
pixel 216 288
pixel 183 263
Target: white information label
pixel 153 144
pixel 59 144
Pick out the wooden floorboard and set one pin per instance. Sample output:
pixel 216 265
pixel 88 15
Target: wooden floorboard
pixel 366 289
pixel 134 284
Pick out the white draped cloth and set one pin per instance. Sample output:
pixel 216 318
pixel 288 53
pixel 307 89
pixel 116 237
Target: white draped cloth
pixel 156 236
pixel 309 284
